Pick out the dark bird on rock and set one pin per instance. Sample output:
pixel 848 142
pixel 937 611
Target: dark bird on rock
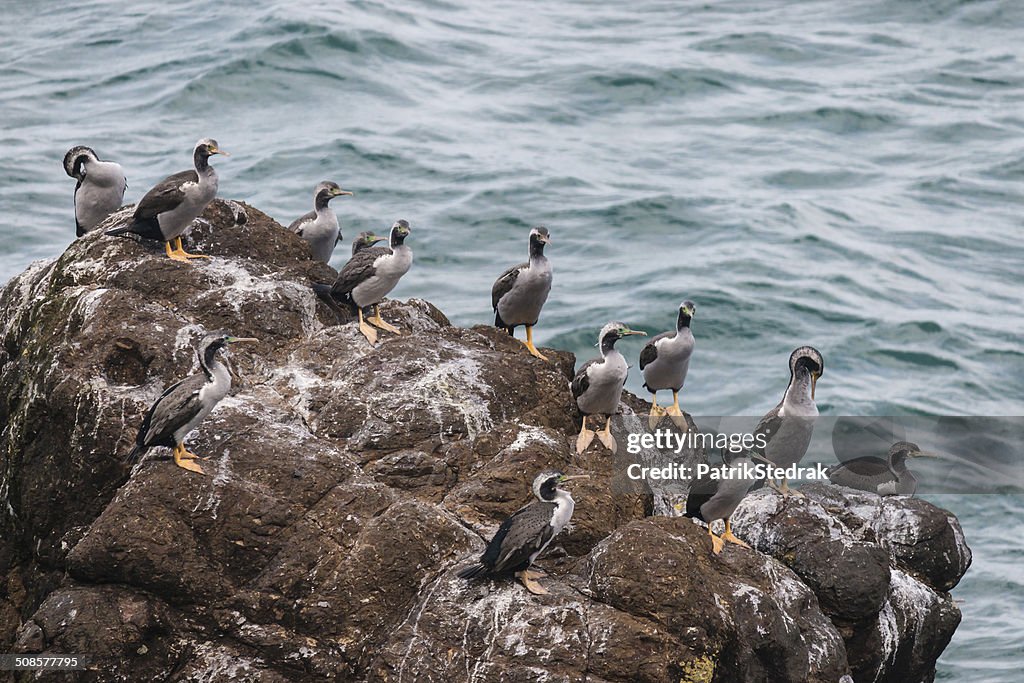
pixel 885 476
pixel 787 428
pixel 184 405
pixel 710 498
pixel 100 188
pixel 167 210
pixel 597 386
pixel 320 226
pixel 664 361
pixel 519 294
pixel 369 276
pixel 524 536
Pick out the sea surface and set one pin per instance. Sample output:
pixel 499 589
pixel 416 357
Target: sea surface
pixel 847 175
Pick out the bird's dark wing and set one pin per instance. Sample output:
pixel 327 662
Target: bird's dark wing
pixel 768 426
pixel 650 350
pixel 296 225
pixel 701 491
pixel 164 196
pixel 518 537
pixel 866 466
pixel 504 284
pixel 358 269
pixel 173 410
pixel 581 381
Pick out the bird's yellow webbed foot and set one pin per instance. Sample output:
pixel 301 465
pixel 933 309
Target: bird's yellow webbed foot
pixel 186 460
pixel 585 438
pixel 676 412
pixel 730 537
pixel 173 254
pixel 529 344
pixel 184 254
pixel 531 584
pixel 717 544
pixel 379 322
pixel 656 412
pixel 367 330
pixel 605 435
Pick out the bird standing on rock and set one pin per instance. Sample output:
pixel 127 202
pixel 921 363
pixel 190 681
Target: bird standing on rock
pixel 597 386
pixel 524 536
pixel 519 294
pixel 100 188
pixel 167 210
pixel 664 361
pixel 787 428
pixel 184 405
pixel 320 226
pixel 369 276
pixel 885 476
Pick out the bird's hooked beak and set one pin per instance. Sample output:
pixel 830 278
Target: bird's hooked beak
pixel 545 239
pixel 339 192
pixel 923 454
pixel 218 150
pixel 237 340
pixel 567 477
pixel 814 382
pixel 626 332
pixel 688 310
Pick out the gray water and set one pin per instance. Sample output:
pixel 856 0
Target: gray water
pixel 846 175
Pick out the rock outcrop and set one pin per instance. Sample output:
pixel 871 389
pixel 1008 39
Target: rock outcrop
pixel 347 484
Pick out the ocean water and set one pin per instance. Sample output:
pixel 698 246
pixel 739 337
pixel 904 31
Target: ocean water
pixel 846 175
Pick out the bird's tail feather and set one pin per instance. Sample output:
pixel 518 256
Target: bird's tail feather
pixel 472 571
pixel 122 230
pixel 326 295
pixel 136 453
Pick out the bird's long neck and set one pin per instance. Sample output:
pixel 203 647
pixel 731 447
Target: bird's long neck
pixel 322 204
pixel 536 251
pixel 898 463
pixel 211 365
pixel 202 163
pixel 682 322
pixel 798 393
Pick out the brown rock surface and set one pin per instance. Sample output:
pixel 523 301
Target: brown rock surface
pixel 346 484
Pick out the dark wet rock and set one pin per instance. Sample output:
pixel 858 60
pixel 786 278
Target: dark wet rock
pixel 880 567
pixel 648 603
pixel 347 483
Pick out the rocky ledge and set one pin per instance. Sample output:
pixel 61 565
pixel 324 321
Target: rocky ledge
pixel 347 483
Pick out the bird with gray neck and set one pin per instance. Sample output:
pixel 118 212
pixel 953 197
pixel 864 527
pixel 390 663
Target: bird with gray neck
pixel 519 294
pixel 886 476
pixel 524 536
pixel 787 428
pixel 712 498
pixel 185 404
pixel 320 226
pixel 597 387
pixel 99 190
pixel 369 276
pixel 664 362
pixel 365 240
pixel 166 212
